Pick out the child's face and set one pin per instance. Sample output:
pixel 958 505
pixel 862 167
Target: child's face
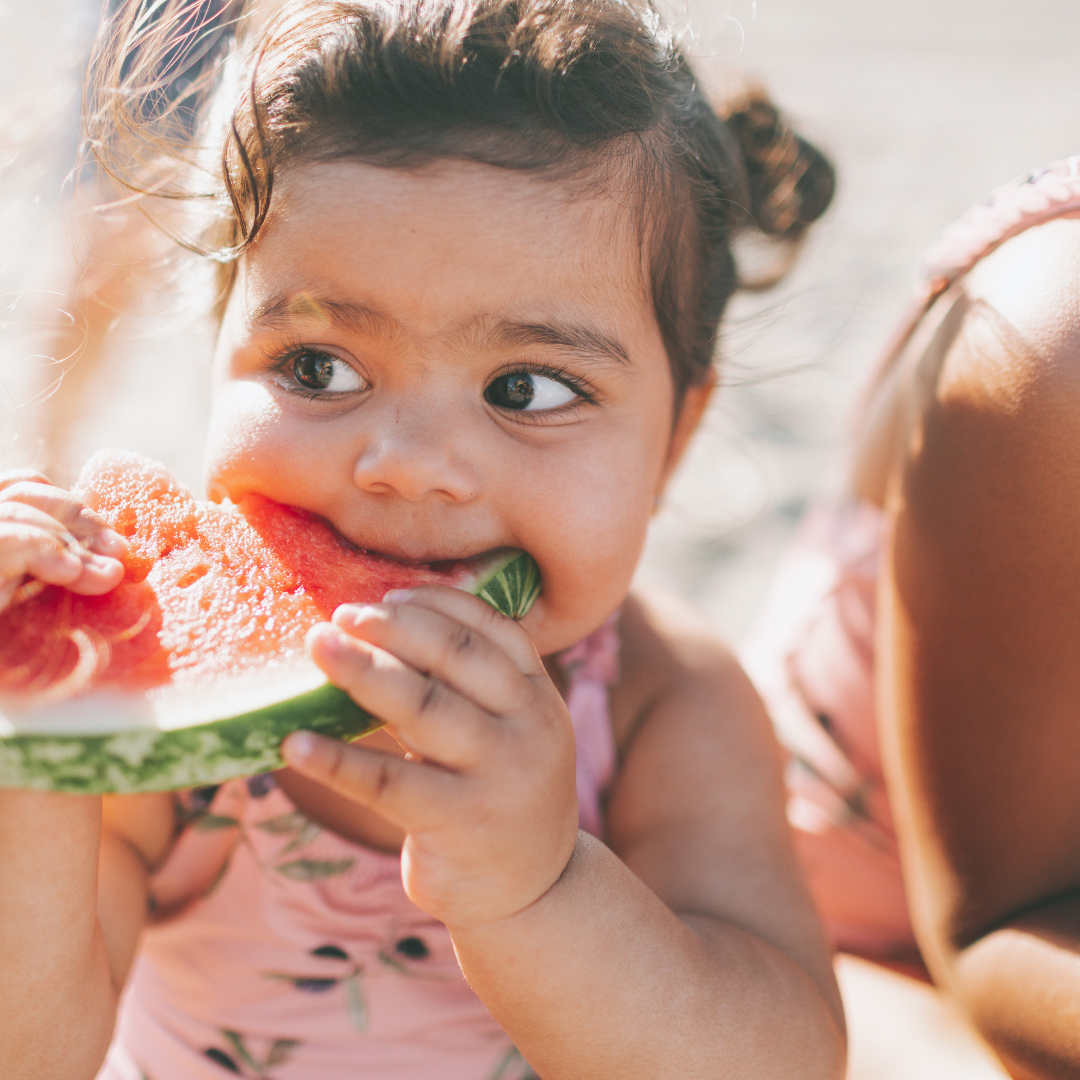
pixel 447 361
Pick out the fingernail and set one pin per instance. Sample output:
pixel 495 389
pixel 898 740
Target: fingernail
pixel 99 562
pixel 67 560
pixel 353 614
pixel 298 747
pixel 108 542
pixel 330 639
pixel 397 596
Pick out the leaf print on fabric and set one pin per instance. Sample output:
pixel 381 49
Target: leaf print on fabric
pixel 355 999
pixel 330 952
pixel 283 824
pixel 314 869
pixel 210 822
pixel 260 785
pixel 219 1057
pixel 412 947
pixel 407 955
pixel 304 836
pixel 294 824
pixel 354 995
pixel 310 984
pixel 280 1051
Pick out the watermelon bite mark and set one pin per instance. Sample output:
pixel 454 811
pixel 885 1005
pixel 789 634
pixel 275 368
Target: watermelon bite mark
pixel 193 669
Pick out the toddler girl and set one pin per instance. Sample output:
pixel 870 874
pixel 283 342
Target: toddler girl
pixel 475 255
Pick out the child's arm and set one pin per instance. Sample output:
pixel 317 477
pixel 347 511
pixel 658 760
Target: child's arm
pixel 69 924
pixel 697 956
pixel 61 967
pixel 979 656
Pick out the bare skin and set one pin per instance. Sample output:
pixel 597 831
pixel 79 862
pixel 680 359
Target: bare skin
pixel 974 459
pixel 690 935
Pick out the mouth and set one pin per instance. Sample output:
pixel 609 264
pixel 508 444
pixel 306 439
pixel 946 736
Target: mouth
pixel 437 562
pixel 506 577
pixel 455 570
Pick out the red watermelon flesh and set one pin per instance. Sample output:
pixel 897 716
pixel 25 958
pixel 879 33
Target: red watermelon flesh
pixel 209 590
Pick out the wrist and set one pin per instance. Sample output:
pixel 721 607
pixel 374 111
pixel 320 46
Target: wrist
pixel 546 899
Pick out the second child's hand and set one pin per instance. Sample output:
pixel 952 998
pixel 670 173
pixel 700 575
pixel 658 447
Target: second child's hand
pixel 487 795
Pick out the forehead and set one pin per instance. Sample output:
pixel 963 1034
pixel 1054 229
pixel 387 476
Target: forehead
pixel 450 240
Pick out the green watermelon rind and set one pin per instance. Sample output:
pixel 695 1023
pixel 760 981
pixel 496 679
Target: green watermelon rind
pixel 513 589
pixel 145 759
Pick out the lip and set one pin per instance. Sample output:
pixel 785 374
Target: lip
pixel 440 562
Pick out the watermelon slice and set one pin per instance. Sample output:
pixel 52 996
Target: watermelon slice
pixel 193 670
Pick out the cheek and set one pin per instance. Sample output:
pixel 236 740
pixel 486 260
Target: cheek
pixel 247 441
pixel 586 532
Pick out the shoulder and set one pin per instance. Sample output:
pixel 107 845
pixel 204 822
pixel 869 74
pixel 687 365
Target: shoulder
pixel 1000 351
pixel 693 735
pixel 670 652
pixel 1019 340
pixel 1032 283
pixel 992 435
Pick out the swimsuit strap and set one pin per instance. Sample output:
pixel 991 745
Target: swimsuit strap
pixel 1038 196
pixel 592 667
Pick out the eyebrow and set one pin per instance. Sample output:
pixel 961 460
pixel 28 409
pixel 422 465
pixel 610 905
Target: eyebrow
pixel 287 310
pixel 585 341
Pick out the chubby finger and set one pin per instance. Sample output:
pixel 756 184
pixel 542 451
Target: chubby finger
pixel 19 476
pixel 427 716
pixel 32 543
pixel 69 511
pixel 26 548
pixel 409 794
pixel 433 643
pixel 477 615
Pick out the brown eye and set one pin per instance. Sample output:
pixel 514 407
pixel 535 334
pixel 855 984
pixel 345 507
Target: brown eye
pixel 323 372
pixel 513 391
pixel 526 391
pixel 313 371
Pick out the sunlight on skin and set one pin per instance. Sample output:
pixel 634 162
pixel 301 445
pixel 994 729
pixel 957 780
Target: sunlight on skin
pixel 903 1029
pixel 454 359
pixel 430 285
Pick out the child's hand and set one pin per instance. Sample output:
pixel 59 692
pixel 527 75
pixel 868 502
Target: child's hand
pixel 490 811
pixel 53 536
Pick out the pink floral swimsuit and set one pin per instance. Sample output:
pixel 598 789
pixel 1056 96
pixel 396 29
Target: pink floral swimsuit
pixel 296 955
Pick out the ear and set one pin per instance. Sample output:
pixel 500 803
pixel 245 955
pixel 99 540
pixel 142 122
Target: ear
pixel 694 403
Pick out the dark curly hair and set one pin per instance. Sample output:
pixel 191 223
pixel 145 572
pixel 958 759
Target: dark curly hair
pixel 592 91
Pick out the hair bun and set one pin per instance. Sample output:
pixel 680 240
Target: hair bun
pixel 790 181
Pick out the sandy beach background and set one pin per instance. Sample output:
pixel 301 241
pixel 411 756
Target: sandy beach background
pixel 924 106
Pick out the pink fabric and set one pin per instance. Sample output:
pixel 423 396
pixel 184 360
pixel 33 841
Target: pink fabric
pixel 811 657
pixel 591 667
pixel 1044 193
pixel 284 952
pixel 811 654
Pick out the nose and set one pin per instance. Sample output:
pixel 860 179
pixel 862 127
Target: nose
pixel 416 457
